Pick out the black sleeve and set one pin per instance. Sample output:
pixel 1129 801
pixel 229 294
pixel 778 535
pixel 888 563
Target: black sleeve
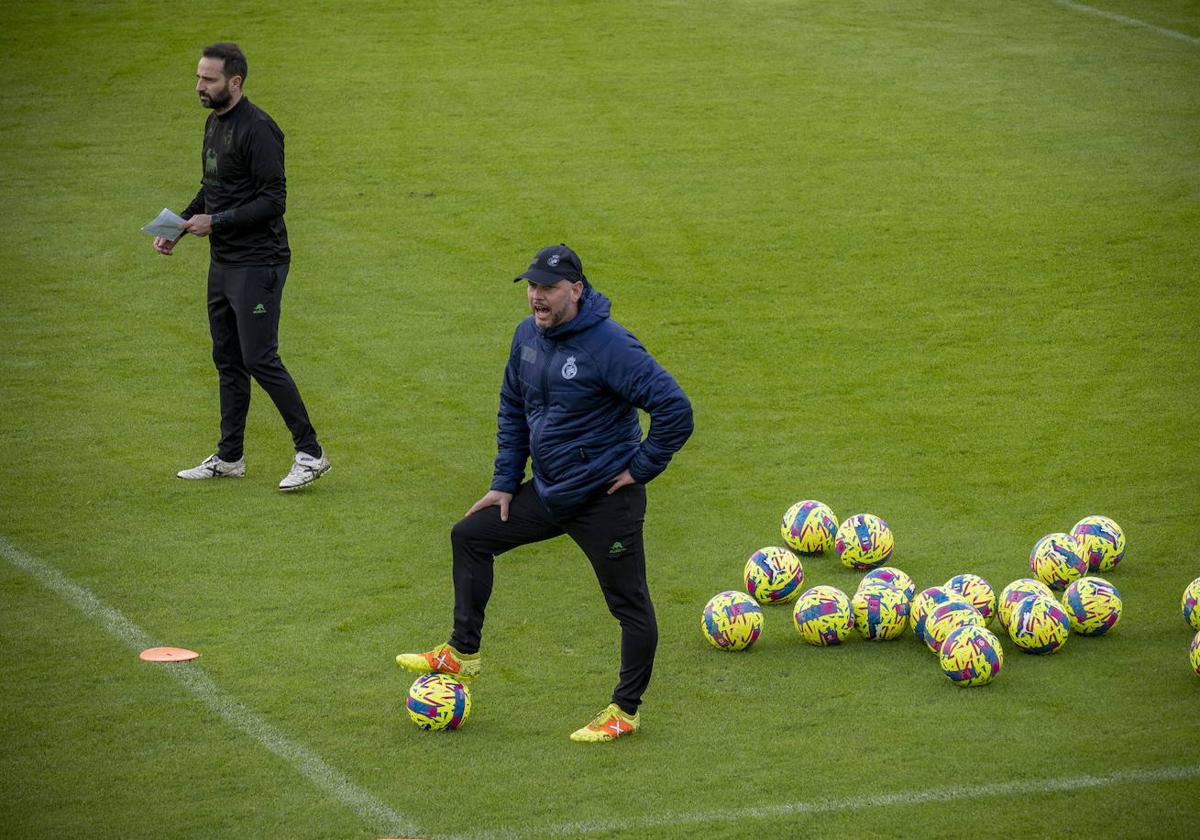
pixel 197 205
pixel 264 151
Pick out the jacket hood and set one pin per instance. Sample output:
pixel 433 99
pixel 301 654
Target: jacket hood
pixel 594 307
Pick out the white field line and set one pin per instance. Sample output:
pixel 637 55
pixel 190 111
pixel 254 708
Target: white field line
pixel 383 819
pixel 1161 30
pixel 854 803
pixel 376 814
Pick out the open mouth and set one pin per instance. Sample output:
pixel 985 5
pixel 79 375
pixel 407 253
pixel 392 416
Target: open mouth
pixel 541 309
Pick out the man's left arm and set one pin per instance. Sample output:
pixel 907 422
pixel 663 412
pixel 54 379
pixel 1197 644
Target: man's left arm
pixel 640 379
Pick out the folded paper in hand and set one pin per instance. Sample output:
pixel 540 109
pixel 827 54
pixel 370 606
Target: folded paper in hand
pixel 166 224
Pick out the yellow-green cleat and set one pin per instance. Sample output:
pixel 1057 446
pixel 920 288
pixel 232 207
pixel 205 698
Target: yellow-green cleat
pixel 609 725
pixel 442 660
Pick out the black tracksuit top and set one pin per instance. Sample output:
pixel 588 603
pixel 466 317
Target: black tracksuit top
pixel 243 180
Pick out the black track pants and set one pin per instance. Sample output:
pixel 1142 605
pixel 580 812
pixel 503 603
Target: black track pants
pixel 243 316
pixel 608 529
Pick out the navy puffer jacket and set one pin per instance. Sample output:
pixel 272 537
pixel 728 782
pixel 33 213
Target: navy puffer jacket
pixel 570 398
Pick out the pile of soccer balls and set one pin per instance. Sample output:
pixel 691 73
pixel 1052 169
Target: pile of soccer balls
pixel 951 619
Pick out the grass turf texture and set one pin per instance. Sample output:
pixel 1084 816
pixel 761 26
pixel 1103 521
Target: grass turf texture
pixel 936 263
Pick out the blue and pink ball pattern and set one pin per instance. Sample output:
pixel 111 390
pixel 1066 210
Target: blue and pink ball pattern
pixel 823 616
pixel 808 527
pixel 731 621
pixel 922 607
pixel 975 591
pixel 1038 624
pixel 971 655
pixel 1101 542
pixel 947 617
pixel 1093 606
pixel 438 702
pixel 895 577
pixel 773 575
pixel 880 611
pixel 864 541
pixel 1057 561
pixel 1191 604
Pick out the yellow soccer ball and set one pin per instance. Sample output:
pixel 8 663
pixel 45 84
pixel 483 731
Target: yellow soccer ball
pixel 949 616
pixel 1093 606
pixel 823 616
pixel 864 541
pixel 880 611
pixel 1101 541
pixel 1039 624
pixel 731 621
pixel 773 575
pixel 1057 561
pixel 808 527
pixel 975 591
pixel 971 656
pixel 1191 604
pixel 438 702
pixel 1017 591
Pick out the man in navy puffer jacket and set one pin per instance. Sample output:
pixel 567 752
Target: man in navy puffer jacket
pixel 572 388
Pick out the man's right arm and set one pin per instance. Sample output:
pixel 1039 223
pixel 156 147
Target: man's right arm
pixel 512 443
pixel 512 429
pixel 166 246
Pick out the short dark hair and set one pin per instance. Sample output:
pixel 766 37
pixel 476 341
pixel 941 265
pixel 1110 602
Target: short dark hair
pixel 232 55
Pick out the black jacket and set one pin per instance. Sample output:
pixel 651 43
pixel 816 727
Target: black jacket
pixel 244 186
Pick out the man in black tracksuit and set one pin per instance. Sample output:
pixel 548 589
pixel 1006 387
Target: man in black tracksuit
pixel 572 388
pixel 240 207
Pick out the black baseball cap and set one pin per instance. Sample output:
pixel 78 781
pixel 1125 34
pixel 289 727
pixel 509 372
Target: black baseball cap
pixel 551 264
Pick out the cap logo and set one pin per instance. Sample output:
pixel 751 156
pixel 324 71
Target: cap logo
pixel 553 261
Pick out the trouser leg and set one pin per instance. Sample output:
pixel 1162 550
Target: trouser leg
pixel 232 377
pixel 610 532
pixel 256 293
pixel 475 541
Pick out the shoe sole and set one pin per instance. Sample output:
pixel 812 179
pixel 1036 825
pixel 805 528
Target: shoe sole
pixel 315 476
pixel 608 740
pixel 206 477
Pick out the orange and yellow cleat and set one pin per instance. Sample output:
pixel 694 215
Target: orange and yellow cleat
pixel 609 725
pixel 442 660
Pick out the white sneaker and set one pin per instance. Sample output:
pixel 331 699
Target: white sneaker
pixel 214 467
pixel 305 470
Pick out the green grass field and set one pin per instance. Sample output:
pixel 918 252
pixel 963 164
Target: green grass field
pixel 932 260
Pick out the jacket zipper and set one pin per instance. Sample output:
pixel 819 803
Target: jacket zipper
pixel 545 400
